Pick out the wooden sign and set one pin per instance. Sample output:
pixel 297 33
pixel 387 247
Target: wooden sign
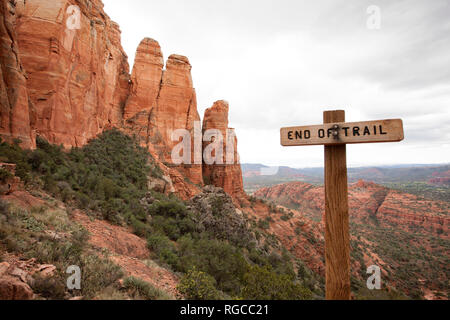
pixel 335 134
pixel 344 133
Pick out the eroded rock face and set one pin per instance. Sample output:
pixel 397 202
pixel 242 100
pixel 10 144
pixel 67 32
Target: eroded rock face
pixel 156 107
pixel 77 73
pixel 229 174
pixel 145 88
pixel 176 108
pixel 14 104
pixel 161 102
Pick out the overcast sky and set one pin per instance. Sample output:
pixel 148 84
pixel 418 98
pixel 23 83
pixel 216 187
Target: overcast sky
pixel 283 62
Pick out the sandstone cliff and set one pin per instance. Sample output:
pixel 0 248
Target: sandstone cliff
pixel 176 108
pixel 227 175
pixel 162 101
pixel 77 74
pixel 145 88
pixel 14 104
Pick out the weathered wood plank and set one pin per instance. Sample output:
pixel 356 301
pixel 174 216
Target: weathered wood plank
pixel 340 132
pixel 337 233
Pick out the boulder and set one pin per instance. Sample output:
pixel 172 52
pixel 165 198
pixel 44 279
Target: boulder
pixel 215 212
pixel 13 283
pixel 11 288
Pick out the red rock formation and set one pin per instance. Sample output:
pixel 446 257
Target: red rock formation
pixel 145 87
pixel 14 104
pixel 67 80
pixel 176 108
pixel 162 102
pixel 228 173
pixel 77 78
pixel 18 274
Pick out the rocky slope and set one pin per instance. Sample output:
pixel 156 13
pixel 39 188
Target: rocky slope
pixel 127 251
pixel 18 275
pixel 405 235
pixel 37 271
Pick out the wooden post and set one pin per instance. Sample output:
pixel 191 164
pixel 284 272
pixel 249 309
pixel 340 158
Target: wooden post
pixel 337 236
pixel 335 134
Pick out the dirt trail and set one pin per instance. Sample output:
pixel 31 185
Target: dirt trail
pixel 128 251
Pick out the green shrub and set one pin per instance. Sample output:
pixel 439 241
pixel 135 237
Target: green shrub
pixel 168 209
pixel 258 257
pixel 261 283
pixel 109 173
pixel 163 248
pixel 172 218
pixel 219 259
pixel 197 285
pixel 287 216
pixel 12 153
pixel 141 289
pixel 53 288
pixel 140 228
pixel 263 224
pixel 217 205
pixel 282 264
pixel 156 172
pixel 5 175
pixel 97 274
